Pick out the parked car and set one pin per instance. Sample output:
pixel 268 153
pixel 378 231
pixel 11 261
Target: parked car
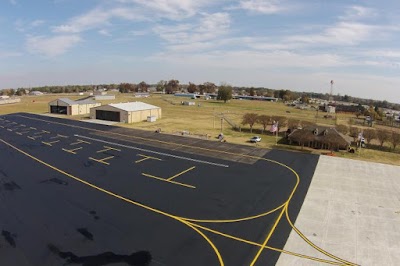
pixel 255 139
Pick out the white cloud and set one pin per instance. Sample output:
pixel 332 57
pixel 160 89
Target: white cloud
pixel 13 2
pixel 209 29
pixel 261 6
pixel 171 9
pixel 51 46
pixel 343 33
pixel 255 60
pixel 104 32
pixel 355 13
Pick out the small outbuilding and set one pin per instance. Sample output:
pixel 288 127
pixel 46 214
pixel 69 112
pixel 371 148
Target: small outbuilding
pixel 66 106
pixel 129 112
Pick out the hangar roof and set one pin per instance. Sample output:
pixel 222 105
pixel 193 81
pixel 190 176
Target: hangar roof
pixel 72 102
pixel 133 106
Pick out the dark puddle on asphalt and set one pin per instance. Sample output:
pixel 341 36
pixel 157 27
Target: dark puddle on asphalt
pixel 140 258
pixel 11 186
pixel 9 238
pixel 94 214
pixel 85 233
pixel 54 181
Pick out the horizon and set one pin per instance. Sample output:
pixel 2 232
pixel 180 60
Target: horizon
pixel 277 44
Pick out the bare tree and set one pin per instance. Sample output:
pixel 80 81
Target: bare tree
pixel 382 136
pixel 342 129
pixel 172 86
pixel 395 139
pixel 143 86
pixel 369 134
pixel 264 120
pixel 354 133
pixel 250 119
pixel 192 88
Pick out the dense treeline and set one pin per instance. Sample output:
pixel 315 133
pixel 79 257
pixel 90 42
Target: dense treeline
pixel 173 86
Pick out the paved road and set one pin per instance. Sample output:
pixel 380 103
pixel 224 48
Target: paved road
pixel 84 194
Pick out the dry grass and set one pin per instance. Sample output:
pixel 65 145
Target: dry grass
pixel 204 120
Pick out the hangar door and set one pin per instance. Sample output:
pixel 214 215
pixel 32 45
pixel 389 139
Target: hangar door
pixel 108 115
pixel 55 109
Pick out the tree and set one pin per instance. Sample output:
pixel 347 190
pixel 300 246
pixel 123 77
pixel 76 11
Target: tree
pixel 251 92
pixel 395 139
pixel 161 85
pixel 250 119
pixel 354 133
pixel 192 88
pixel 126 87
pixel 264 121
pixel 369 134
pixel 305 99
pixel 142 86
pixel 343 129
pixel 172 86
pixel 224 93
pixel 382 136
pixel 209 87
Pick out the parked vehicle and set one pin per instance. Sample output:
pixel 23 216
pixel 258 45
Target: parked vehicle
pixel 255 139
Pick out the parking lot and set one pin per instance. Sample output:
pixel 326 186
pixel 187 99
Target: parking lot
pixel 74 192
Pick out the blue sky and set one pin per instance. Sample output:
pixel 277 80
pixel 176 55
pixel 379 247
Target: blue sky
pixel 281 44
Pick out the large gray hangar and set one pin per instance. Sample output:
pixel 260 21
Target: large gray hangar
pixel 129 112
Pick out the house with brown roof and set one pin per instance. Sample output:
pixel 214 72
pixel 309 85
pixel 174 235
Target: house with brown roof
pixel 319 137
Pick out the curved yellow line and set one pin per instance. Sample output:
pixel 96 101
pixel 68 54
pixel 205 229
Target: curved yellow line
pixel 233 220
pixel 315 246
pixel 266 247
pixel 120 197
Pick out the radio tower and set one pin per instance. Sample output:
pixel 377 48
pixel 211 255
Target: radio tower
pixel 331 94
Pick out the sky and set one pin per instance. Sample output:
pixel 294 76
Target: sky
pixel 299 45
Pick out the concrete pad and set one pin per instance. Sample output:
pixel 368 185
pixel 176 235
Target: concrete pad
pixel 352 210
pixel 100 122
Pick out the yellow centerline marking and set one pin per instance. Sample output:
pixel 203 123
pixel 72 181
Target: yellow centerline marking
pixel 266 247
pixel 169 181
pixel 72 151
pixel 206 149
pixel 147 158
pixel 79 141
pixel 50 143
pixel 107 148
pixel 181 173
pixel 217 253
pixel 268 237
pixel 102 160
pixel 59 136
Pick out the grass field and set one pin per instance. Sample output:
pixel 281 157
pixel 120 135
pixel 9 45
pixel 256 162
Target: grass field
pixel 203 119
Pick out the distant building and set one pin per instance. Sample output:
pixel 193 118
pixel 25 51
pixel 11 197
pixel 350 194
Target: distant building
pixel 141 94
pixel 129 112
pixel 36 93
pixel 66 106
pixel 330 109
pixel 319 137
